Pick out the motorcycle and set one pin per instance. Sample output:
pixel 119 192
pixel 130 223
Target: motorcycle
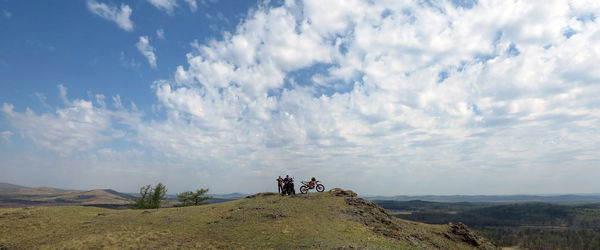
pixel 288 187
pixel 306 186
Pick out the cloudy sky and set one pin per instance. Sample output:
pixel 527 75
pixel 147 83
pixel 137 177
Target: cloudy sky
pixel 381 97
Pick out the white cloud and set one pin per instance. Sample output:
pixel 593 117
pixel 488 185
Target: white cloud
pixel 79 126
pixel 144 47
pixel 193 5
pixel 160 34
pixel 397 86
pixel 399 97
pixel 164 5
pixel 121 16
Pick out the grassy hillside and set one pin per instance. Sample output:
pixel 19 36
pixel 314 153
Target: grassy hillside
pixel 319 220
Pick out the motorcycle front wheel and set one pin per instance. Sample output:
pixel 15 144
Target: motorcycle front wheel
pixel 304 189
pixel 320 188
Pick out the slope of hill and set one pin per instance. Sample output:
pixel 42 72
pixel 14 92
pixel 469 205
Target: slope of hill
pixel 17 196
pixel 318 220
pixel 9 186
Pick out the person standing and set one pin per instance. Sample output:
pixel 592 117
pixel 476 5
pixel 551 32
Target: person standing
pixel 279 184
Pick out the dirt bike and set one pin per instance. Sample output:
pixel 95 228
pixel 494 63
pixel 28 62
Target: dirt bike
pixel 306 186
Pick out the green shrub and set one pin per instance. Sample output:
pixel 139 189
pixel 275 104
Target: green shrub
pixel 150 197
pixel 189 198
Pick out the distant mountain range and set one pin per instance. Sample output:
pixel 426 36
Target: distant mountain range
pixel 9 186
pixel 12 195
pixel 235 196
pixel 498 199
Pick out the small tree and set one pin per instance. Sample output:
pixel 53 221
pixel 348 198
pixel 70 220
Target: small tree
pixel 189 198
pixel 151 197
pixel 199 197
pixel 185 198
pixel 159 195
pixel 143 201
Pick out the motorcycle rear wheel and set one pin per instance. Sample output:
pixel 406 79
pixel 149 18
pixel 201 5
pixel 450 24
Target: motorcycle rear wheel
pixel 320 188
pixel 304 189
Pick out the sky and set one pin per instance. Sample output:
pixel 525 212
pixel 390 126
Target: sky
pixel 399 97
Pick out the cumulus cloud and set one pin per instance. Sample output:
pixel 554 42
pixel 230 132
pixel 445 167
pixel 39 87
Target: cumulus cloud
pixel 404 85
pixel 164 5
pixel 121 16
pixel 144 47
pixel 79 126
pixel 400 96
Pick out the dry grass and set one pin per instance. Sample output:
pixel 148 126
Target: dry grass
pixel 272 221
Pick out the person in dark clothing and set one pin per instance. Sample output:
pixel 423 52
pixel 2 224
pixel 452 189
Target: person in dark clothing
pixel 313 182
pixel 279 184
pixel 288 186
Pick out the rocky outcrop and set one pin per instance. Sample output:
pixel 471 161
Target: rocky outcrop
pixel 342 192
pixel 460 232
pixel 372 215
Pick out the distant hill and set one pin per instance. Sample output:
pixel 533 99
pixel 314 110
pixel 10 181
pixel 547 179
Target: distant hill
pixel 232 196
pixel 531 225
pixel 497 199
pixel 326 220
pixel 18 196
pixel 12 195
pixel 9 186
pixel 124 195
pixel 218 198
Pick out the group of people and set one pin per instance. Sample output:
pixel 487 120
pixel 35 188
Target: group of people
pixel 281 182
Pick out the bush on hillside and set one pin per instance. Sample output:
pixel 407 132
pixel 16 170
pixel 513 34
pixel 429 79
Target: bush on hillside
pixel 150 197
pixel 190 198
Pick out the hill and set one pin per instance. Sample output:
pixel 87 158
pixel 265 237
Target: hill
pixel 534 214
pixel 9 186
pixel 319 220
pixel 18 196
pixel 532 225
pixel 497 199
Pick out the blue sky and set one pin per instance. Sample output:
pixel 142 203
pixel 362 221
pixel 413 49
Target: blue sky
pixel 88 54
pixel 399 97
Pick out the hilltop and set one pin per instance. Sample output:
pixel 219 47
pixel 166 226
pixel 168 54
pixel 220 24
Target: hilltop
pixel 335 219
